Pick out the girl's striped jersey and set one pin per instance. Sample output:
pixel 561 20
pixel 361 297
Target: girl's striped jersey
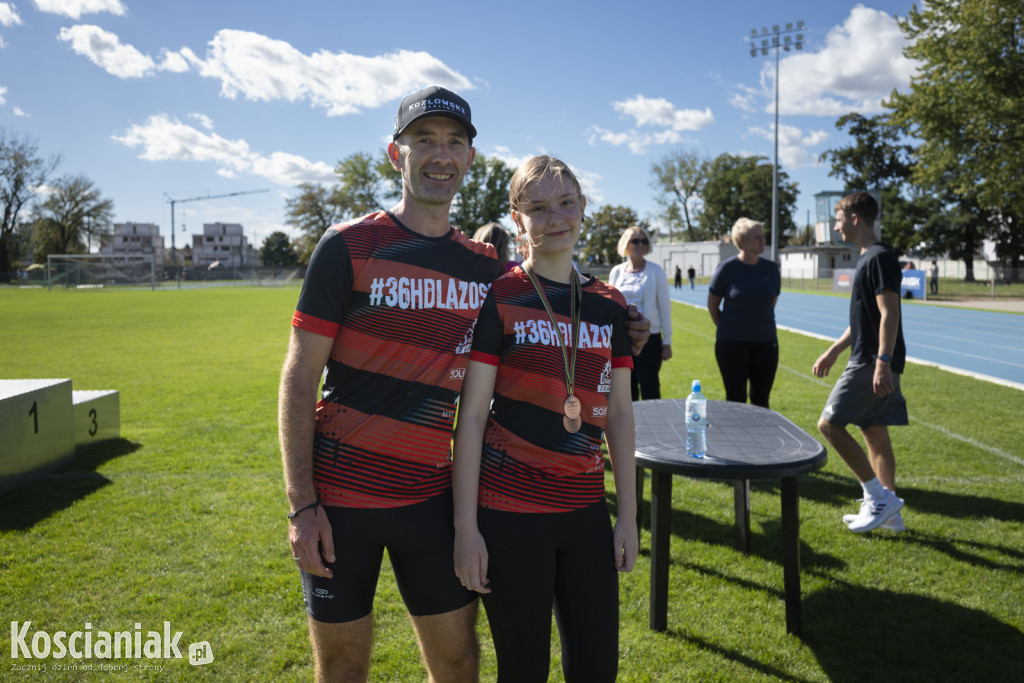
pixel 400 307
pixel 530 463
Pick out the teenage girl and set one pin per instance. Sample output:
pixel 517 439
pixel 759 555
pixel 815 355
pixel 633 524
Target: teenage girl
pixel 531 522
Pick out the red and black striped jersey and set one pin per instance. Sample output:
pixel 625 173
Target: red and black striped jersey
pixel 529 462
pixel 400 307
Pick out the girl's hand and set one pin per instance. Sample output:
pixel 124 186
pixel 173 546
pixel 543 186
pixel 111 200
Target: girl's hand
pixel 626 544
pixel 471 561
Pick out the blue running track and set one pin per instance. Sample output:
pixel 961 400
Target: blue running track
pixel 982 344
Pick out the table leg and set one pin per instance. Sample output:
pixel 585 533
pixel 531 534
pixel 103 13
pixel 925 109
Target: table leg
pixel 661 522
pixel 741 501
pixel 639 498
pixel 791 552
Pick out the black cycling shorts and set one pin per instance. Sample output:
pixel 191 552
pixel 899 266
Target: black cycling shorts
pixel 420 542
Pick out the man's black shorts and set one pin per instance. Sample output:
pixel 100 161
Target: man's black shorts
pixel 420 542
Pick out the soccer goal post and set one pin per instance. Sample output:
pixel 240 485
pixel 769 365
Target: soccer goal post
pixel 100 270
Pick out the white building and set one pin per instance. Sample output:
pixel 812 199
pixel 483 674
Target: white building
pixel 133 239
pixel 703 256
pixel 225 245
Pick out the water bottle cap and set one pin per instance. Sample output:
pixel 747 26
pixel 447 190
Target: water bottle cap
pixel 696 385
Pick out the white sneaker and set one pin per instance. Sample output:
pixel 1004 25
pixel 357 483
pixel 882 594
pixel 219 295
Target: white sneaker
pixel 894 523
pixel 873 513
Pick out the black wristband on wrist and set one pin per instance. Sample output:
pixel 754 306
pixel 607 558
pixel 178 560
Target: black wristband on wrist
pixel 314 504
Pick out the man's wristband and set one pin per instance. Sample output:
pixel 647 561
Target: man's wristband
pixel 885 358
pixel 293 515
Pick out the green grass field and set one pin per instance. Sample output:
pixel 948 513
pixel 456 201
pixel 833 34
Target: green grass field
pixel 182 520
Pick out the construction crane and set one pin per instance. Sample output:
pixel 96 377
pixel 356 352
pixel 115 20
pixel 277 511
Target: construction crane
pixel 172 202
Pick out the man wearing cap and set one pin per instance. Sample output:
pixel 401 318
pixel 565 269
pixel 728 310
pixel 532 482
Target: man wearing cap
pixel 387 308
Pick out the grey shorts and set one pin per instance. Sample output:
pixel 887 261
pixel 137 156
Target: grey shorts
pixel 853 400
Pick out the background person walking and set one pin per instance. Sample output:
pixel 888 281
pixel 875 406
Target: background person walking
pixel 868 394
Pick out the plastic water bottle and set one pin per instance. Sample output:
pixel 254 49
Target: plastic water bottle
pixel 696 423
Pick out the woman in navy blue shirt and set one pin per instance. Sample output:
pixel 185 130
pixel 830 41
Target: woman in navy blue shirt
pixel 741 301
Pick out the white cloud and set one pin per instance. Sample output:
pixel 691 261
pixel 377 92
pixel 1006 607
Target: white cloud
pixel 8 14
pixel 505 154
pixel 2 91
pixel 636 141
pixel 175 62
pixel 647 111
pixel 204 120
pixel 76 8
pixel 861 64
pixel 794 145
pixel 165 139
pixel 257 67
pixel 651 113
pixel 104 49
pixel 18 111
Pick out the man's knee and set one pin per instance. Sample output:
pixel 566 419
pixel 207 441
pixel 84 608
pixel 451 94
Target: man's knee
pixel 341 652
pixel 449 644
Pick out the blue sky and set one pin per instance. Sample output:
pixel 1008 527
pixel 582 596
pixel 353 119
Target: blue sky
pixel 191 98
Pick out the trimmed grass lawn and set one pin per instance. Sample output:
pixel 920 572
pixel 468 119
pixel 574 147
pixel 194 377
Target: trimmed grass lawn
pixel 182 519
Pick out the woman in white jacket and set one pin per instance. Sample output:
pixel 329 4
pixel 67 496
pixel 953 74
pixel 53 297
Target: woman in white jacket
pixel 644 283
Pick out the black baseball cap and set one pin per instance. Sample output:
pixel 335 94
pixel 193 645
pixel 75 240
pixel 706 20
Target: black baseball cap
pixel 434 101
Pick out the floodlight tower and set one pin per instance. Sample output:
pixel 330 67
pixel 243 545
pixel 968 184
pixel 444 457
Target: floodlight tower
pixel 779 38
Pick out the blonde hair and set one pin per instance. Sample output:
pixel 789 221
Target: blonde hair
pixel 527 175
pixel 627 235
pixel 742 227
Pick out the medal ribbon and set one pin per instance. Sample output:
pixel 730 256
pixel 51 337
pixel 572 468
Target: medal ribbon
pixel 574 315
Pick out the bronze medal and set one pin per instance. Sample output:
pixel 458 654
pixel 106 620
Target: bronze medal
pixel 572 408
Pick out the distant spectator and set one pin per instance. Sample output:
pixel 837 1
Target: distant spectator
pixel 741 301
pixel 933 278
pixel 679 278
pixel 692 274
pixel 494 234
pixel 644 283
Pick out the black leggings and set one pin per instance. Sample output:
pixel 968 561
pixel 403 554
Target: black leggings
pixel 564 558
pixel 740 361
pixel 644 379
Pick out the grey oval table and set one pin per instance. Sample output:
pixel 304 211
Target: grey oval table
pixel 744 442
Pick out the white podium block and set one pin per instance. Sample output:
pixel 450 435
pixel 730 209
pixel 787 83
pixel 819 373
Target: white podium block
pixel 97 416
pixel 37 430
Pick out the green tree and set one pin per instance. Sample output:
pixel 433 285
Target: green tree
pixel 483 197
pixel 311 212
pixel 73 215
pixel 366 183
pixel 964 104
pixel 602 230
pixel 22 172
pixel 680 178
pixel 739 187
pixel 878 158
pixel 277 251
